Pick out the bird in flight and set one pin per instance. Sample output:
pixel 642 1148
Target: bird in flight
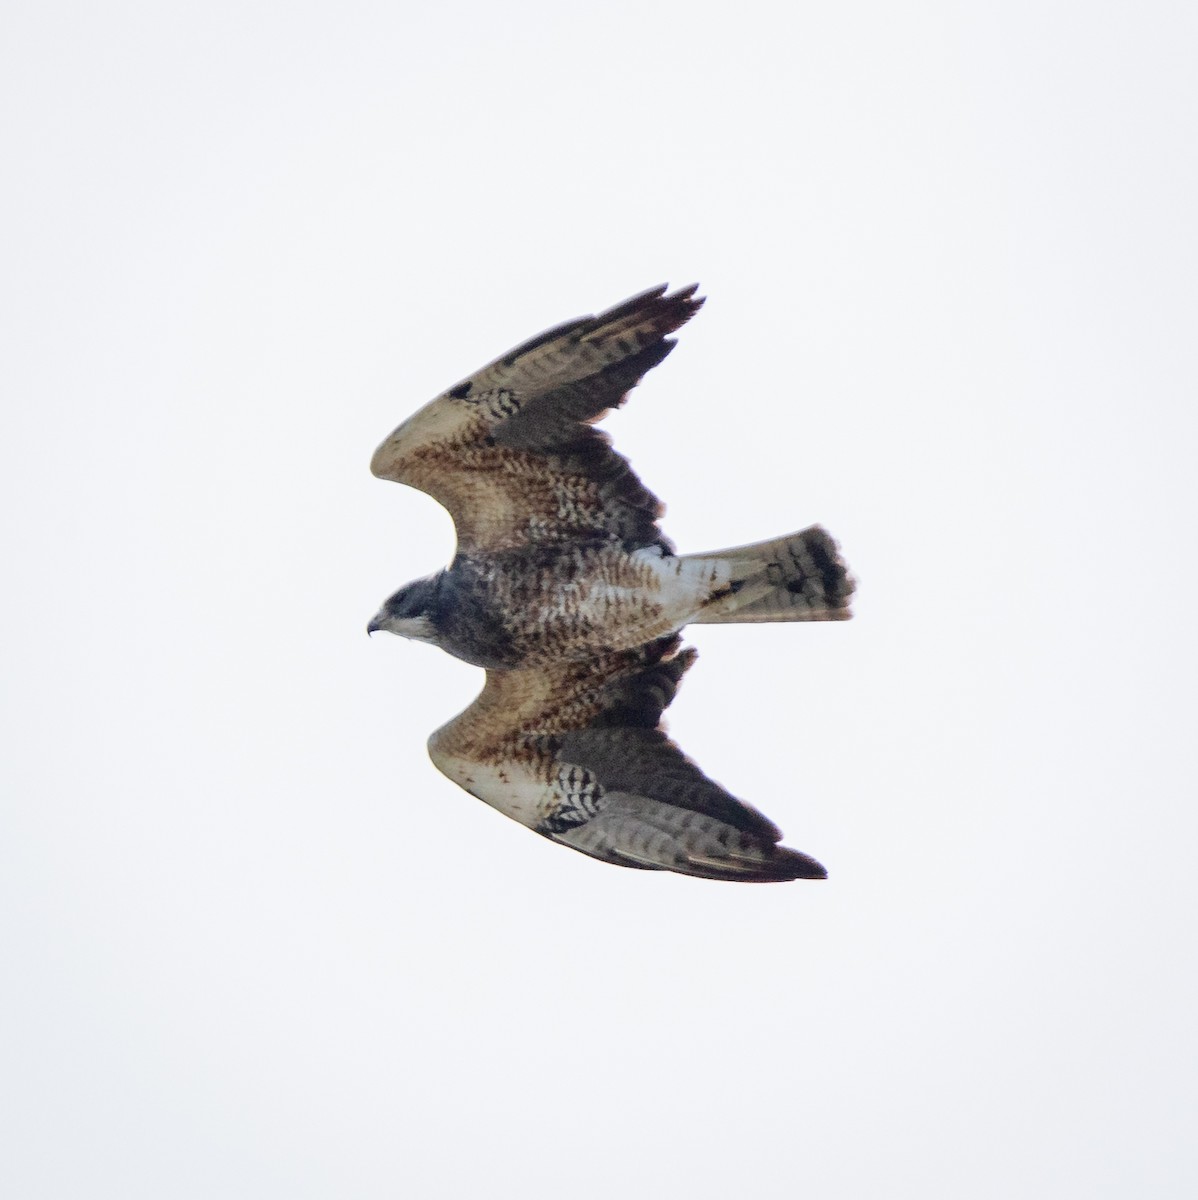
pixel 565 589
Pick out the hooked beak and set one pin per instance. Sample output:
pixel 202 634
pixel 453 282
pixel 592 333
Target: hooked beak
pixel 376 623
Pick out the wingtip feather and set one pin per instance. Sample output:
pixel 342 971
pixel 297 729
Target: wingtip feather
pixel 656 310
pixel 797 865
pixel 769 864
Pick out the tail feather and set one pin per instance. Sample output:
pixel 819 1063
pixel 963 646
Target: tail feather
pixel 799 577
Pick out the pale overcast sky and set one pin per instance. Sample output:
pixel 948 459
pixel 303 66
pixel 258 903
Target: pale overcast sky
pixel 254 945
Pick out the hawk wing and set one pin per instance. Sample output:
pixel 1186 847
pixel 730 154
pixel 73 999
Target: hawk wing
pixel 511 452
pixel 576 751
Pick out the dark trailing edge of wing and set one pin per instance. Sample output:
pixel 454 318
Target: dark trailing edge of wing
pixel 560 420
pixel 557 419
pixel 638 700
pixel 627 752
pixel 558 423
pixel 623 758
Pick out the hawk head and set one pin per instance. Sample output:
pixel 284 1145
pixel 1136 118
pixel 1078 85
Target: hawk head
pixel 410 612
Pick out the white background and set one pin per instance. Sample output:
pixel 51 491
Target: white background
pixel 253 944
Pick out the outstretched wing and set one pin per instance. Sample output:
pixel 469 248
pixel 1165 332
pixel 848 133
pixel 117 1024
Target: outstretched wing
pixel 577 752
pixel 511 451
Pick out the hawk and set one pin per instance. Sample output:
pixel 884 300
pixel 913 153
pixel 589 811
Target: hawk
pixel 565 589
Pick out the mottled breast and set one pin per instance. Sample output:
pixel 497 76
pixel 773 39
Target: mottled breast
pixel 546 603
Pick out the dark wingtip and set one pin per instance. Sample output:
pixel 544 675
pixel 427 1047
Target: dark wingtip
pixel 672 309
pixel 788 864
pixel 686 293
pixel 803 866
pixel 782 866
pixel 683 304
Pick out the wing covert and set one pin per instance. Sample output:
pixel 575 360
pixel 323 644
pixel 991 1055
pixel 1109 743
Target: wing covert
pixel 511 451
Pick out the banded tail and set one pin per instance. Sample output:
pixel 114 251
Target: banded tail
pixel 799 577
